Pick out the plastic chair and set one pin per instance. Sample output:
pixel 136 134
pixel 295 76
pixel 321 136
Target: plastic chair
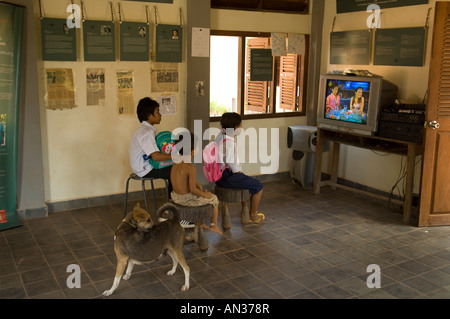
pixel 144 179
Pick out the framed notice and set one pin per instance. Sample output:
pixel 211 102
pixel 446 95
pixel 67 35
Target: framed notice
pixel 58 40
pixel 343 6
pixel 261 65
pixel 134 41
pixel 169 43
pixel 403 47
pixel 99 41
pixel 350 47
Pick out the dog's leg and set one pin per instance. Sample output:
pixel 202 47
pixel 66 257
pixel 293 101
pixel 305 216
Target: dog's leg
pixel 121 263
pixel 129 270
pixel 179 256
pixel 174 261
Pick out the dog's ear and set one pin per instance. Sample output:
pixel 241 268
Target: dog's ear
pixel 137 205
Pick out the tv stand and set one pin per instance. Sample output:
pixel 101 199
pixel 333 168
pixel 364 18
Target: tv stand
pixel 399 147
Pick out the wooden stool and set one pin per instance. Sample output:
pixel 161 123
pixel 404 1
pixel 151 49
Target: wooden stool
pixel 196 214
pixel 143 179
pixel 233 195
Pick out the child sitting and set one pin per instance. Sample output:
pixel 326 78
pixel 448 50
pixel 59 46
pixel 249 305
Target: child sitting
pixel 232 176
pixel 186 190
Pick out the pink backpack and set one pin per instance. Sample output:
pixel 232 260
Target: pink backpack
pixel 212 169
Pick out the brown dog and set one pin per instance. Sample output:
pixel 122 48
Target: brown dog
pixel 140 247
pixel 139 219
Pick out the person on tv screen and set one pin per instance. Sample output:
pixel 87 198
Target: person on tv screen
pixel 357 102
pixel 333 100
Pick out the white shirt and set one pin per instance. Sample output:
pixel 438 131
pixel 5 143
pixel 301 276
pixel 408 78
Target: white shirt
pixel 142 143
pixel 228 152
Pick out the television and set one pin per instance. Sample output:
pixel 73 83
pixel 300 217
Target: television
pixel 351 103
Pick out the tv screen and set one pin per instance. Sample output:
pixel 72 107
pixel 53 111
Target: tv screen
pixel 347 100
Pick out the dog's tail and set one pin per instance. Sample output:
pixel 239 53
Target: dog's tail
pixel 169 207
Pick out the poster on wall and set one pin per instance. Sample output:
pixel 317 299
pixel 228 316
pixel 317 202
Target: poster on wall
pixel 95 87
pixel 164 77
pixel 169 43
pixel 279 47
pixel 200 42
pixel 125 93
pixel 99 41
pixel 134 41
pixel 402 47
pixel 343 6
pixel 58 40
pixel 296 43
pixel 261 65
pixel 167 105
pixel 350 47
pixel 60 89
pixel 11 34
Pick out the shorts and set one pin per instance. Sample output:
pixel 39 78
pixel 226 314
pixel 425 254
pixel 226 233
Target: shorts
pixel 239 180
pixel 193 200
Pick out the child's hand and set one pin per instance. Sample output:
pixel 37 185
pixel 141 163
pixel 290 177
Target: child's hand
pixel 209 194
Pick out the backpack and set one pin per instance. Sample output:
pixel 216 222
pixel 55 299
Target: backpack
pixel 212 169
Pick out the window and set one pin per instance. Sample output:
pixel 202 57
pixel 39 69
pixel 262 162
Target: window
pixel 231 89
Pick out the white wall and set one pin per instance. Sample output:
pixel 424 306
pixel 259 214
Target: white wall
pixel 238 20
pixel 85 149
pixel 364 166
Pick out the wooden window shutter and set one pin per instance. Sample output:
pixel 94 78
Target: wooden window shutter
pixel 288 82
pixel 255 91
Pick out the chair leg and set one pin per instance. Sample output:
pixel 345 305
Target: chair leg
pixel 145 196
pixel 167 190
pixel 126 197
pixel 245 214
pixel 226 221
pixel 202 240
pixel 154 196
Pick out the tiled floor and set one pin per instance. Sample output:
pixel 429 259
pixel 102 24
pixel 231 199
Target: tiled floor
pixel 311 246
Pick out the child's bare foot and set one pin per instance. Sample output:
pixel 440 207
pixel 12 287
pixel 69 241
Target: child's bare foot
pixel 215 228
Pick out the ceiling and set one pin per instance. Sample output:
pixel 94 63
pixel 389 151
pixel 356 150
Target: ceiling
pixel 288 6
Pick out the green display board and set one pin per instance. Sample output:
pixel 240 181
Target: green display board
pixel 134 41
pixel 350 47
pixel 11 34
pixel 169 43
pixel 343 6
pixel 261 65
pixel 402 47
pixel 99 41
pixel 58 40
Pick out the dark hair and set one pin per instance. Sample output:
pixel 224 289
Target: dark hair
pixel 194 141
pixel 230 120
pixel 145 107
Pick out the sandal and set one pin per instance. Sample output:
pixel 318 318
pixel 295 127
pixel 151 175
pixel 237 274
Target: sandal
pixel 259 220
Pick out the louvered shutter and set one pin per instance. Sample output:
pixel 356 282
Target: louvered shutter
pixel 255 91
pixel 288 82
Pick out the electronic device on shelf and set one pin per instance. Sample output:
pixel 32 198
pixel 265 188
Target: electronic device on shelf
pixel 402 121
pixel 359 99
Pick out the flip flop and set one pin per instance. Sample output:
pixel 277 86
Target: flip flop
pixel 260 219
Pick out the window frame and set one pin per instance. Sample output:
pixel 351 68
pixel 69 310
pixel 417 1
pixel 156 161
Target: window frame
pixel 302 75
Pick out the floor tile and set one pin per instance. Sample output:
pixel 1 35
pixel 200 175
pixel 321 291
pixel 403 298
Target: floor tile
pixel 309 247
